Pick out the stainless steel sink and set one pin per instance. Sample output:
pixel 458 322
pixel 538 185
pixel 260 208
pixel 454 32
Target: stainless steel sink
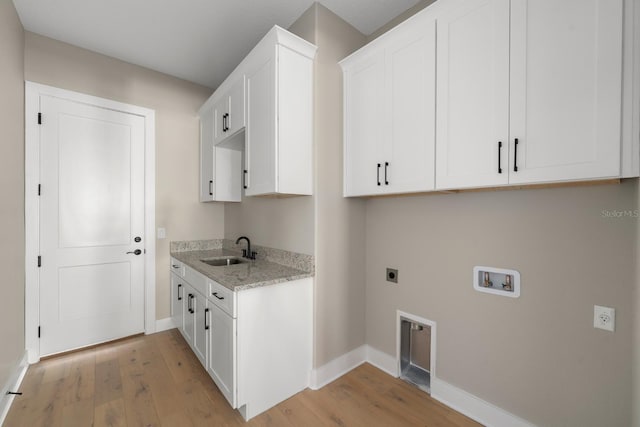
pixel 222 262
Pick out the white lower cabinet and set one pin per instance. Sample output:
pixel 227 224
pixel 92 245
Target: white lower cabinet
pixel 256 344
pixel 222 352
pixel 177 299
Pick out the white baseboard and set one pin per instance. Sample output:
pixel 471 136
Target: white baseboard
pixel 474 407
pixel 164 324
pixel 454 397
pixel 337 367
pixel 12 384
pixel 382 361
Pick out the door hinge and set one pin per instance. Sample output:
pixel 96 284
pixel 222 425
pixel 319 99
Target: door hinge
pixel 38 331
pixel 39 188
pixel 39 261
pixel 39 118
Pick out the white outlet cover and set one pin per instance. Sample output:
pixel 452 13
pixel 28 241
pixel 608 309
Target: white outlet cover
pixel 604 318
pixel 162 233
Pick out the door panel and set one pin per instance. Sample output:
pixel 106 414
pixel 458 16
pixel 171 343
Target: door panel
pixel 91 208
pixel 565 108
pixel 222 353
pixel 207 154
pixel 410 145
pixel 472 94
pixel 364 88
pixel 261 129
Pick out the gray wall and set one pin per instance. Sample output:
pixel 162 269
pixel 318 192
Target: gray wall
pixel 340 231
pixel 176 103
pixel 325 225
pixel 538 356
pixel 12 178
pixel 636 334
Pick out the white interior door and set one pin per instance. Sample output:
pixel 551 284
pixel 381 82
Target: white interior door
pixel 91 212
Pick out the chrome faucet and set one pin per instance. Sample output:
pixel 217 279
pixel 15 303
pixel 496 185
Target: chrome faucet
pixel 247 253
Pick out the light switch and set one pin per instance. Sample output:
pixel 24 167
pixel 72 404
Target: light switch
pixel 162 233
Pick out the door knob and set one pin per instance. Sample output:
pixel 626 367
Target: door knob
pixel 136 252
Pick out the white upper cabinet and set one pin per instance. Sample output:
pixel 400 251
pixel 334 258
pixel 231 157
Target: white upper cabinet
pixel 207 178
pixel 528 91
pixel 473 94
pixel 566 89
pixel 389 107
pixel 489 93
pixel 279 134
pixel 220 167
pixel 229 110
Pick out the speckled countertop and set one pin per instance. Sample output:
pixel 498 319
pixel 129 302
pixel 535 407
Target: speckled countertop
pixel 246 275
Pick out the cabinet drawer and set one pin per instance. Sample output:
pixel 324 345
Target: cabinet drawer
pixel 177 267
pixel 222 297
pixel 196 280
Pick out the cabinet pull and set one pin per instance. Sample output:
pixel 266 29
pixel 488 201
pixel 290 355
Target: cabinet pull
pixel 244 178
pixel 224 122
pixel 179 296
pixel 499 157
pixel 206 326
pixel 215 294
pixel 515 156
pixel 386 165
pixel 175 266
pixel 211 187
pixel 378 173
pixel 190 304
pixel 227 124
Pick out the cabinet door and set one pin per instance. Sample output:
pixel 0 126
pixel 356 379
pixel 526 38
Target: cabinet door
pixel 199 305
pixel 566 81
pixel 188 324
pixel 363 125
pixel 409 143
pixel 220 112
pixel 472 94
pixel 222 352
pixel 236 120
pixel 207 187
pixel 260 152
pixel 177 300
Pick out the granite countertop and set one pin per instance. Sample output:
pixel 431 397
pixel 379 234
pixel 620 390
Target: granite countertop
pixel 246 275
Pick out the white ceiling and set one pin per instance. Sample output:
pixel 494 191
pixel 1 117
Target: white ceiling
pixel 197 40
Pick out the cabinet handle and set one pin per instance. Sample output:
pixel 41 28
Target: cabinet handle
pixel 179 296
pixel 175 266
pixel 206 326
pixel 515 156
pixel 224 122
pixel 499 157
pixel 228 116
pixel 215 294
pixel 378 173
pixel 386 165
pixel 244 178
pixel 190 303
pixel 211 187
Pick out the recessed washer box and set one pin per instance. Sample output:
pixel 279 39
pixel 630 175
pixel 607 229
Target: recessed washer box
pixel 497 281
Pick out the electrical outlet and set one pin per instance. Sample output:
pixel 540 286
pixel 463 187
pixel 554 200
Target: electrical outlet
pixel 162 233
pixel 392 275
pixel 604 318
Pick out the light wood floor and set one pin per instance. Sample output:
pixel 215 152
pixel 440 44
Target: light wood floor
pixel 156 380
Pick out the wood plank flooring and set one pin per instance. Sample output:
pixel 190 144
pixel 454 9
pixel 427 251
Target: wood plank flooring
pixel 156 380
